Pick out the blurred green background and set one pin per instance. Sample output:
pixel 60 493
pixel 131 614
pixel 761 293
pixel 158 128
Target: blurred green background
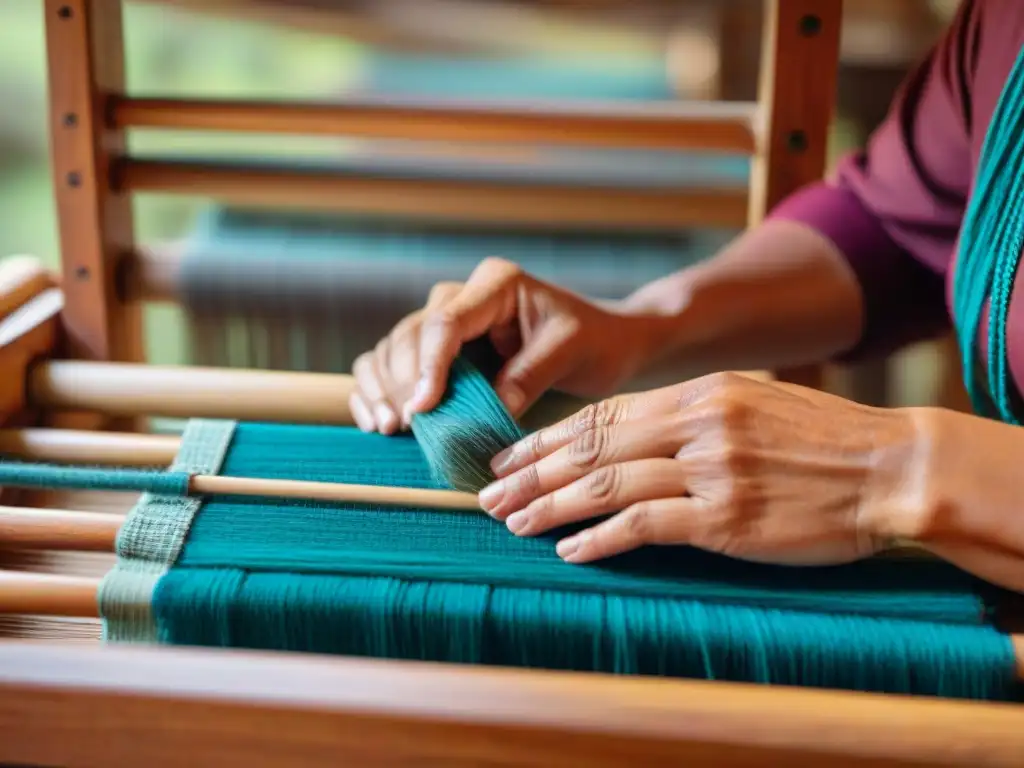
pixel 169 53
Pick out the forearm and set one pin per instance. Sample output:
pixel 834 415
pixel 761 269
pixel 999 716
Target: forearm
pixel 960 494
pixel 779 295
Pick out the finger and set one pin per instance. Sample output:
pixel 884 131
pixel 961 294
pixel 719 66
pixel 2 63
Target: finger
pixel 426 392
pixel 606 413
pixel 361 413
pixel 488 299
pixel 402 367
pixel 657 521
pixel 371 386
pixel 442 293
pixel 588 452
pixel 542 362
pixel 606 490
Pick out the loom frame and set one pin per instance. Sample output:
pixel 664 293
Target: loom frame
pixel 75 706
pixel 226 703
pixel 107 273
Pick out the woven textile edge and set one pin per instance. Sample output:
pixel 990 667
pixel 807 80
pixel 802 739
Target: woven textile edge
pixel 152 536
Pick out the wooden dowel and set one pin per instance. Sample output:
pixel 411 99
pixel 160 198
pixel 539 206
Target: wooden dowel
pixel 340 493
pixel 191 392
pixel 70 446
pixel 58 529
pixel 45 594
pixel 50 595
pixel 481 203
pixel 720 126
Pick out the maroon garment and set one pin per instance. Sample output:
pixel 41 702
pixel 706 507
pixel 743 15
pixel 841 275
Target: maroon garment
pixel 895 208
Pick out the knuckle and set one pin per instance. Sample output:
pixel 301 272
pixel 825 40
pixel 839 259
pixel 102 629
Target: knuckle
pixel 363 366
pixel 603 485
pixel 605 413
pixel 443 290
pixel 589 449
pixel 526 484
pixel 534 447
pixel 494 263
pixel 637 523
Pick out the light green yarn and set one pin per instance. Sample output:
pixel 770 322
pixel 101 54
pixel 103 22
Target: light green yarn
pixel 151 538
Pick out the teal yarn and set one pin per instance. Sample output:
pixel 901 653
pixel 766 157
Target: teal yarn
pixel 26 475
pixel 990 250
pixel 466 430
pixel 456 587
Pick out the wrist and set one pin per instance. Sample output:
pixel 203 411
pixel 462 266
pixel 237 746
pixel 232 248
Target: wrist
pixel 903 491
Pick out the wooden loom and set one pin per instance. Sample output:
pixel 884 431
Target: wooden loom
pixel 76 349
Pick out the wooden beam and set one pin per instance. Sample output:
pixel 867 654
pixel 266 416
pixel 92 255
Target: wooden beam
pixel 797 93
pixel 85 51
pixel 83 706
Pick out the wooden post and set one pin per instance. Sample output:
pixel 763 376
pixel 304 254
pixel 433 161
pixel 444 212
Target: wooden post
pixel 85 50
pixel 797 93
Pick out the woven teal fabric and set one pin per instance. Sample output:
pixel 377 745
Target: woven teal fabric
pixel 990 252
pixel 457 586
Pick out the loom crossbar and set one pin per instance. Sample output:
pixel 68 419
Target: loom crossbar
pixel 721 126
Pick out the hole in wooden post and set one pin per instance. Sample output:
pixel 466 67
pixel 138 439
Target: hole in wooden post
pixel 64 12
pixel 796 141
pixel 82 273
pixel 74 179
pixel 70 120
pixel 810 25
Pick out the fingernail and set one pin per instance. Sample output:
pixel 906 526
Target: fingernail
pixel 517 521
pixel 362 416
pixel 491 496
pixel 513 397
pixel 385 417
pixel 567 547
pixel 502 463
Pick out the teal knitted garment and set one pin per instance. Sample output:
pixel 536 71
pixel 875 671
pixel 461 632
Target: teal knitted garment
pixel 990 249
pixel 457 587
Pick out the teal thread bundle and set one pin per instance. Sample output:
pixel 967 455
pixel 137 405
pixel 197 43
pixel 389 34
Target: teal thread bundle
pixel 990 250
pixel 24 475
pixel 459 449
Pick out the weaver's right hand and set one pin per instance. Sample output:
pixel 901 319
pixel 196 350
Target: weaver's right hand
pixel 549 337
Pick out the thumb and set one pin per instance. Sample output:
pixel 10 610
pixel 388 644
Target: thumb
pixel 544 360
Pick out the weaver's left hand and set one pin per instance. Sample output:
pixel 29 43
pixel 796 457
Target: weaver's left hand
pixel 754 470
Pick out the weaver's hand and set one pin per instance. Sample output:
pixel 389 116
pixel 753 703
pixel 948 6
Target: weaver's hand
pixel 754 470
pixel 550 337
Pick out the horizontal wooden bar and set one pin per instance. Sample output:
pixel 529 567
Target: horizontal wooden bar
pixel 82 706
pixel 58 529
pixel 70 446
pixel 720 126
pixel 469 201
pixel 127 389
pixel 22 278
pixel 48 594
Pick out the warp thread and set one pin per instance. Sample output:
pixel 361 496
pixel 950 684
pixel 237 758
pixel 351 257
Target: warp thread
pixel 29 475
pixel 444 586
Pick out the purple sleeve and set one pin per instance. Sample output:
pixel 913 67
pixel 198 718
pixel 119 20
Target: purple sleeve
pixel 894 208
